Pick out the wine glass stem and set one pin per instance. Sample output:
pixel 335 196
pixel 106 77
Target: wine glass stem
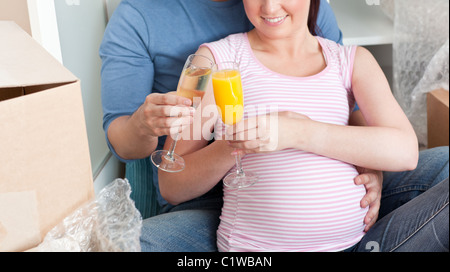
pixel 174 143
pixel 239 169
pixel 172 147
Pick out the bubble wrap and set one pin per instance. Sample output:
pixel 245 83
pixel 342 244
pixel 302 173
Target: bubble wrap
pixel 111 223
pixel 421 55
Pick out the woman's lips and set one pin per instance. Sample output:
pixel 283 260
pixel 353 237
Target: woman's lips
pixel 274 21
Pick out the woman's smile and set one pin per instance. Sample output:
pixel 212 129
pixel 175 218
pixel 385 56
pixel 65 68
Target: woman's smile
pixel 274 21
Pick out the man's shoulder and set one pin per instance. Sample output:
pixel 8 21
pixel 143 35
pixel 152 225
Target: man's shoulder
pixel 163 10
pixel 327 23
pixel 149 5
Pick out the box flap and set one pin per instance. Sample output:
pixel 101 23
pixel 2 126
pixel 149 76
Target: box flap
pixel 23 62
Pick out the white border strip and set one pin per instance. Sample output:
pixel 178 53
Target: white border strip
pixel 44 26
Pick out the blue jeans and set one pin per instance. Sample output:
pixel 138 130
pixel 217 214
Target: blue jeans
pixel 414 214
pixel 187 227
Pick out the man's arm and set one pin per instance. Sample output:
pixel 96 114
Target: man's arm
pixel 327 23
pixel 133 116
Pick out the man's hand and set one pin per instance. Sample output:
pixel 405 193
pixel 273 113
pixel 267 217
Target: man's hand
pixel 373 182
pixel 136 136
pixel 161 112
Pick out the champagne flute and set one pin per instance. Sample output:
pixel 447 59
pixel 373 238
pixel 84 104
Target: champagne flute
pixel 192 84
pixel 229 98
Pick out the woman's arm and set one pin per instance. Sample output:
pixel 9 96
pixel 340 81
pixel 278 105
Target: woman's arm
pixel 371 179
pixel 388 142
pixel 204 169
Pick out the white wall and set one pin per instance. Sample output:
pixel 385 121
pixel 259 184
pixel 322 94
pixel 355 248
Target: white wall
pixel 72 30
pixel 365 23
pixel 44 27
pixel 81 28
pixel 81 25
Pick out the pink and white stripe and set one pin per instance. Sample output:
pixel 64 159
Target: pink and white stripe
pixel 302 201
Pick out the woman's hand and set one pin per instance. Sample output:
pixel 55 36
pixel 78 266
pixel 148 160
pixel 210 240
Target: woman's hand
pixel 265 133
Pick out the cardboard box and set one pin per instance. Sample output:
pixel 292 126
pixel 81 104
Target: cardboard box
pixel 438 122
pixel 45 169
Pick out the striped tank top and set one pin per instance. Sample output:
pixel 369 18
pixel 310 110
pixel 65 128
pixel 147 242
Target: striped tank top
pixel 302 201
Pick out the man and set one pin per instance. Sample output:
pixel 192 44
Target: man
pixel 143 52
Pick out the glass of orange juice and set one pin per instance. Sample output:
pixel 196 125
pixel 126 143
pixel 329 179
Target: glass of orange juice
pixel 229 97
pixel 192 84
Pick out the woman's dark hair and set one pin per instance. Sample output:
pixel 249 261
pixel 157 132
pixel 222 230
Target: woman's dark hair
pixel 312 19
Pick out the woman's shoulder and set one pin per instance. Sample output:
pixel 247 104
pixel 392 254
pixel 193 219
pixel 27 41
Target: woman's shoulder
pixel 231 39
pixel 334 46
pixel 342 54
pixel 228 47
